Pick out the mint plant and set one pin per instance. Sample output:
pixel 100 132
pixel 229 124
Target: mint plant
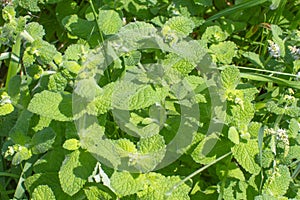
pixel 149 99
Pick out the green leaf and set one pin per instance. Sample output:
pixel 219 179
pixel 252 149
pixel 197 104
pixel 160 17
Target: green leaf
pixel 42 141
pixel 254 58
pixel 43 50
pixel 71 144
pixel 50 179
pixel 223 52
pixel 57 82
pixel 211 148
pixel 245 153
pixel 6 109
pixel 180 64
pixel 22 154
pixel 75 170
pixel 75 52
pixel 43 192
pixel 125 147
pixel 50 162
pixel 42 123
pixel 214 34
pixel 19 133
pixel 152 144
pixel 233 135
pixel 124 184
pixel 56 106
pixel 31 5
pixel 230 77
pixel 157 186
pixel 180 25
pixel 109 21
pixel 79 27
pixel 235 190
pixel 35 30
pixel 131 96
pixel 230 170
pixel 6 106
pixel 94 192
pixel 278 183
pixel 240 115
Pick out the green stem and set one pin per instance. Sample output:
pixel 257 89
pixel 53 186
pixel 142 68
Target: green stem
pixel 13 67
pixel 20 190
pixel 100 33
pixel 195 173
pixel 268 71
pixel 95 16
pixel 223 183
pixel 9 174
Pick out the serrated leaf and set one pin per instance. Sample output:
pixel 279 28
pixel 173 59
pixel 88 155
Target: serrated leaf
pixel 159 187
pixel 245 153
pixel 94 192
pixel 181 65
pixel 278 183
pixel 79 27
pixel 31 5
pixel 102 103
pixel 43 192
pixel 57 106
pixel 50 179
pixel 57 82
pixel 124 184
pixel 131 96
pixel 210 148
pixel 75 52
pixel 151 151
pixel 223 52
pixel 230 77
pixel 75 170
pixel 180 25
pixel 240 115
pixel 125 146
pixel 42 141
pixel 35 30
pixel 109 21
pixel 152 144
pixel 235 190
pixel 214 34
pixel 43 50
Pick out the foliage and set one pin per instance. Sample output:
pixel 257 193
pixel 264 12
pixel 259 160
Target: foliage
pixel 217 87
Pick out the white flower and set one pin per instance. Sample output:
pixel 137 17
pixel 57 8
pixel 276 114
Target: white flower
pixel 274 49
pixel 295 52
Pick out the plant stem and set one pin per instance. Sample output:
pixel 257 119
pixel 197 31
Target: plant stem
pixel 195 173
pixel 13 67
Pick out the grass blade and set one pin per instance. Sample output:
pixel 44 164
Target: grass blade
pixel 235 8
pixel 267 78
